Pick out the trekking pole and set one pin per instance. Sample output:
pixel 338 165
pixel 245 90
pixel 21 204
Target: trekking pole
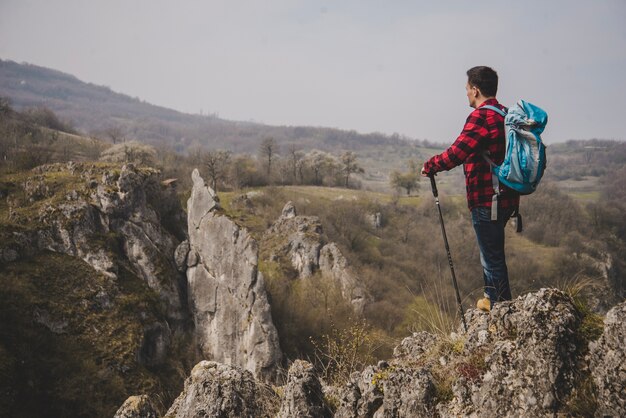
pixel 445 240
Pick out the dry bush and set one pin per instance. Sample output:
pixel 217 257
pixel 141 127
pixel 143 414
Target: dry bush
pixel 130 152
pixel 343 351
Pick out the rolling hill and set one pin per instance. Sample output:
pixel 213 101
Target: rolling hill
pixel 98 109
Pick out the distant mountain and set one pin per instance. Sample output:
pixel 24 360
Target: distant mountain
pixel 101 111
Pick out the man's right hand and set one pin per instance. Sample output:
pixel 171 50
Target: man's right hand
pixel 424 172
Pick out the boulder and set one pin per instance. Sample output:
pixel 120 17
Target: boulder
pixel 137 407
pixel 303 393
pixel 220 390
pixel 180 255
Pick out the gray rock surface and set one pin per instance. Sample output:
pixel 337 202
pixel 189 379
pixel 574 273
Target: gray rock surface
pixel 219 390
pixel 303 393
pixel 180 255
pixel 362 396
pixel 415 346
pixel 409 392
pixel 227 294
pixel 608 364
pixel 137 407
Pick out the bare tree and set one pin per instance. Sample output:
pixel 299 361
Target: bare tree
pixel 216 163
pixel 115 133
pixel 295 158
pixel 349 166
pixel 268 149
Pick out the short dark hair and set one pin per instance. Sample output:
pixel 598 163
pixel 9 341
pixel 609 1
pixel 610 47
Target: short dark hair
pixel 485 79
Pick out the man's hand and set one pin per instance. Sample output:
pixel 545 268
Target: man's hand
pixel 424 172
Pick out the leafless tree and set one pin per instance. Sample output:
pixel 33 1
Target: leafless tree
pixel 116 134
pixel 216 163
pixel 295 158
pixel 268 150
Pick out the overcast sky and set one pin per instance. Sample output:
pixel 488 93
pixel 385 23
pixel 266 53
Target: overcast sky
pixel 387 66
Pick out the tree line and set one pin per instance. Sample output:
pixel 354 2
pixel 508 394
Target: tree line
pixel 276 165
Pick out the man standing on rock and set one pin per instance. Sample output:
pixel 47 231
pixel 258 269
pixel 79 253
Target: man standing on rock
pixel 483 134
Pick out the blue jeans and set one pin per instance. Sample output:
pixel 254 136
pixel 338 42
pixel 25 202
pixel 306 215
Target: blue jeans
pixel 490 236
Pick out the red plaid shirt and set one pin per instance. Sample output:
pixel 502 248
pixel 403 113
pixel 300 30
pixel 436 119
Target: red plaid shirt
pixel 483 130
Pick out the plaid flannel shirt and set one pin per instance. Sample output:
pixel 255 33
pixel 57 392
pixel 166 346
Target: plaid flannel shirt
pixel 483 130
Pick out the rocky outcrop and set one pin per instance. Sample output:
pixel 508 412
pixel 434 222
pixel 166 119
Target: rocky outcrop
pixel 607 364
pixel 227 295
pixel 522 359
pixel 220 390
pixel 530 357
pixel 100 309
pixel 120 217
pixel 303 393
pixel 137 407
pixel 527 358
pixel 301 241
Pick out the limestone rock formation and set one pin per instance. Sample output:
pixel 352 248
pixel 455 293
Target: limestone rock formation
pixel 302 241
pixel 220 390
pixel 129 207
pixel 525 359
pixel 137 407
pixel 227 295
pixel 608 365
pixel 98 309
pixel 303 393
pixel 533 357
pixel 520 360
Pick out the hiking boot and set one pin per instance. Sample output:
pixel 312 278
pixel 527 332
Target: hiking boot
pixel 484 304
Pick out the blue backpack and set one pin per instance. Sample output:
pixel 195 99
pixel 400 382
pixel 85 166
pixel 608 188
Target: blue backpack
pixel 525 157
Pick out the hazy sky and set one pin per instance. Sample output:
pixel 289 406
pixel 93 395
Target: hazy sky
pixel 388 66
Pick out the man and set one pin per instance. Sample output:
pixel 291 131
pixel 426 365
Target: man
pixel 482 134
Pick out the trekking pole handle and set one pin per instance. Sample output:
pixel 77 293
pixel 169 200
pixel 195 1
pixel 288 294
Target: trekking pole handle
pixel 433 185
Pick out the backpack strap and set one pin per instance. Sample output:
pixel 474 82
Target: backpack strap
pixel 496 182
pixel 494 179
pixel 495 109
